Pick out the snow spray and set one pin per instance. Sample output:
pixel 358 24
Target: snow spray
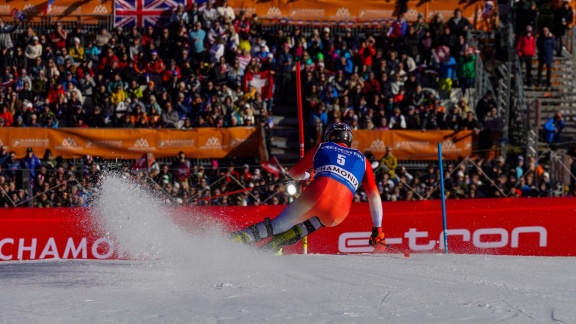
pixel 142 228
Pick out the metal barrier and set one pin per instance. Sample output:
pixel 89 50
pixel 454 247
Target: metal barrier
pixel 482 82
pixel 90 24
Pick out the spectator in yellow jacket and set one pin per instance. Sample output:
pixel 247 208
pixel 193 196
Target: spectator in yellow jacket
pixel 118 95
pixel 76 51
pixel 389 163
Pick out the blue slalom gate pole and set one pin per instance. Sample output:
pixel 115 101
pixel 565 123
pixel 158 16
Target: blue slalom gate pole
pixel 443 197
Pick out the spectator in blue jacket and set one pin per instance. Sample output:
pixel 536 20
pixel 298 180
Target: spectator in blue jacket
pixel 553 128
pixel 30 162
pixel 11 164
pixel 546 45
pixel 447 74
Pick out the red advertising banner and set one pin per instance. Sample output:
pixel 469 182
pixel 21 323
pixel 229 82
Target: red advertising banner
pixel 131 143
pixel 534 226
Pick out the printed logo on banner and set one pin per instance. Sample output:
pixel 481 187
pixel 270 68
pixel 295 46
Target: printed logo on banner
pixel 101 248
pixel 56 10
pixel 141 144
pixel 307 12
pixel 416 145
pixel 482 238
pixel 449 146
pixel 176 143
pixel 33 142
pixel 69 143
pixel 5 9
pixel 342 12
pixel 237 141
pixel 100 9
pixel 104 143
pixel 377 145
pixel 274 12
pixel 30 10
pixel 411 14
pixel 375 13
pixel 213 143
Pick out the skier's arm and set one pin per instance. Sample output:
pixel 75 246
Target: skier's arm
pixel 298 171
pixel 373 195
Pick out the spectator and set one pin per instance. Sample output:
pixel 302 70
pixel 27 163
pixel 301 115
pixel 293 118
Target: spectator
pixel 467 69
pixel 526 48
pixel 563 18
pixel 553 128
pixel 446 73
pixel 170 118
pixel 58 37
pixel 470 123
pixel 459 25
pixel 389 163
pixel 7 118
pixel 77 51
pixel 30 162
pixel 546 45
pixel 5 35
pixel 33 51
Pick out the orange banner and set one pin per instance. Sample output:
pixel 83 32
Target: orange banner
pixel 415 145
pixel 295 11
pixel 367 11
pixel 131 143
pixel 60 8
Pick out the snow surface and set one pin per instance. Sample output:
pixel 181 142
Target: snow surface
pixel 201 278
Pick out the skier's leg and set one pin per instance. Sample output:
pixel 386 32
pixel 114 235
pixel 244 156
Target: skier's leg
pixel 295 213
pixel 293 235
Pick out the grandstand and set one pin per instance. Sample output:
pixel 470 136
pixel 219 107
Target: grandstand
pixel 209 91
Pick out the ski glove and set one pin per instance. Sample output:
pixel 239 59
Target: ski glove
pixel 377 237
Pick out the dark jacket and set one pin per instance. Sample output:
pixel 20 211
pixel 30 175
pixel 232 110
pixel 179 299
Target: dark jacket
pixel 546 47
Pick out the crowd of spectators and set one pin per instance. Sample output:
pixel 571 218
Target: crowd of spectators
pixel 55 182
pixel 189 73
pixel 476 178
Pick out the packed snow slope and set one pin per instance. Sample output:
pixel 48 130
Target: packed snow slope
pixel 199 277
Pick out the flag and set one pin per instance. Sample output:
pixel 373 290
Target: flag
pixel 441 53
pixel 142 13
pixel 48 7
pixel 145 162
pixel 262 81
pixel 183 171
pixel 273 166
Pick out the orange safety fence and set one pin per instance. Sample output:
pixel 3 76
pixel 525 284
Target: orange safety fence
pixel 131 143
pixel 369 12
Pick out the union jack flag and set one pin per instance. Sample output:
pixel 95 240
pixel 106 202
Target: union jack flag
pixel 142 13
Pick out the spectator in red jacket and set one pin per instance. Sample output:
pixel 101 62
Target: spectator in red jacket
pixel 526 48
pixel 6 116
pixel 105 62
pixel 54 91
pixel 366 52
pixel 155 65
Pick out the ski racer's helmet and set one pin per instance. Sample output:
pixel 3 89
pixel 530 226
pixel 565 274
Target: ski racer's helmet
pixel 338 133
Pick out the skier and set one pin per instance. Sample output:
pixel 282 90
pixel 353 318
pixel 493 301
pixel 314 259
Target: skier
pixel 338 170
